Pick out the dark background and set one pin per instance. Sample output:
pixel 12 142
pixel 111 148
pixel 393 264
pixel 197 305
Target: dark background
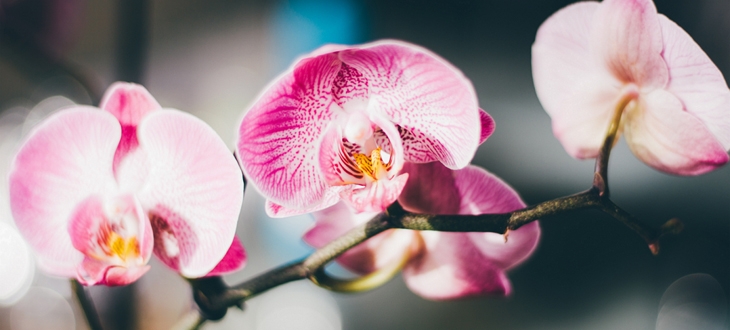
pixel 211 58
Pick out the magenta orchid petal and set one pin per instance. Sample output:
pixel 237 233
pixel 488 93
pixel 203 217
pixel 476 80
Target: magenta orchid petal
pixel 627 39
pixel 280 135
pixel 432 189
pixel 129 103
pixel 64 160
pixel 487 125
pixel 451 267
pixel 666 137
pixel 696 81
pixel 433 104
pixel 234 260
pixel 483 192
pixel 194 190
pixel 351 116
pixel 375 253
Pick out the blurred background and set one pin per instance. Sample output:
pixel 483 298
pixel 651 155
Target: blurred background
pixel 211 58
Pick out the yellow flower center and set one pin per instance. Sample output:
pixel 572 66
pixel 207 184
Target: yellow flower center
pixel 373 166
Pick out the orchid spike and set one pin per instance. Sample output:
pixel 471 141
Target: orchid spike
pixel 442 265
pixel 342 121
pixel 96 192
pixel 621 59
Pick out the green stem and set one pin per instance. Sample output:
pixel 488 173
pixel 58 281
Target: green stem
pixel 87 305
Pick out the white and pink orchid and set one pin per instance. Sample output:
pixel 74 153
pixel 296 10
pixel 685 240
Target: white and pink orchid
pixel 96 192
pixel 441 265
pixel 341 123
pixel 592 59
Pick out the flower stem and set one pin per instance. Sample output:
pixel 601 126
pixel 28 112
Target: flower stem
pixel 600 178
pixel 87 305
pixel 214 298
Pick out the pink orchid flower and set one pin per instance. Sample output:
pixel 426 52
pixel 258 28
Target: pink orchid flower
pixel 442 265
pixel 96 192
pixel 343 120
pixel 592 59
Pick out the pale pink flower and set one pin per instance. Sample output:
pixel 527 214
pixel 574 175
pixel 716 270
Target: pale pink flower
pixel 96 192
pixel 343 120
pixel 442 265
pixel 590 57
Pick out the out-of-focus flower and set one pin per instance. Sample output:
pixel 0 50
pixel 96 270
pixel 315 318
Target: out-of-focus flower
pixel 593 59
pixel 343 120
pixel 96 192
pixel 442 265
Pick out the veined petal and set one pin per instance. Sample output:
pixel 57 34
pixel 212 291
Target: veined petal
pixel 331 197
pixel 65 160
pixel 666 137
pixel 561 55
pixel 482 192
pixel 280 136
pixel 696 81
pixel 627 37
pixel 377 252
pixel 433 104
pixel 487 125
pixel 193 193
pixel 129 103
pixel 451 267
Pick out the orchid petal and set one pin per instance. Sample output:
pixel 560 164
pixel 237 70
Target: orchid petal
pixel 118 276
pixel 65 160
pixel 482 192
pixel 331 197
pixel 431 189
pixel 280 136
pixel 487 125
pixel 95 272
pixel 433 104
pixel 585 117
pixel 579 98
pixel 561 55
pixel 627 38
pixel 193 193
pixel 129 103
pixel 375 253
pixel 696 81
pixel 88 218
pixel 451 267
pixel 663 135
pixel 375 197
pixel 234 260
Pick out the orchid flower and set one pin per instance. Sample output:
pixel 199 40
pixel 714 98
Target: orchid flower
pixel 342 121
pixel 96 192
pixel 621 59
pixel 441 265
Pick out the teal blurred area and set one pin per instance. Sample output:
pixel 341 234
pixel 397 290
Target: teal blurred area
pixel 212 58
